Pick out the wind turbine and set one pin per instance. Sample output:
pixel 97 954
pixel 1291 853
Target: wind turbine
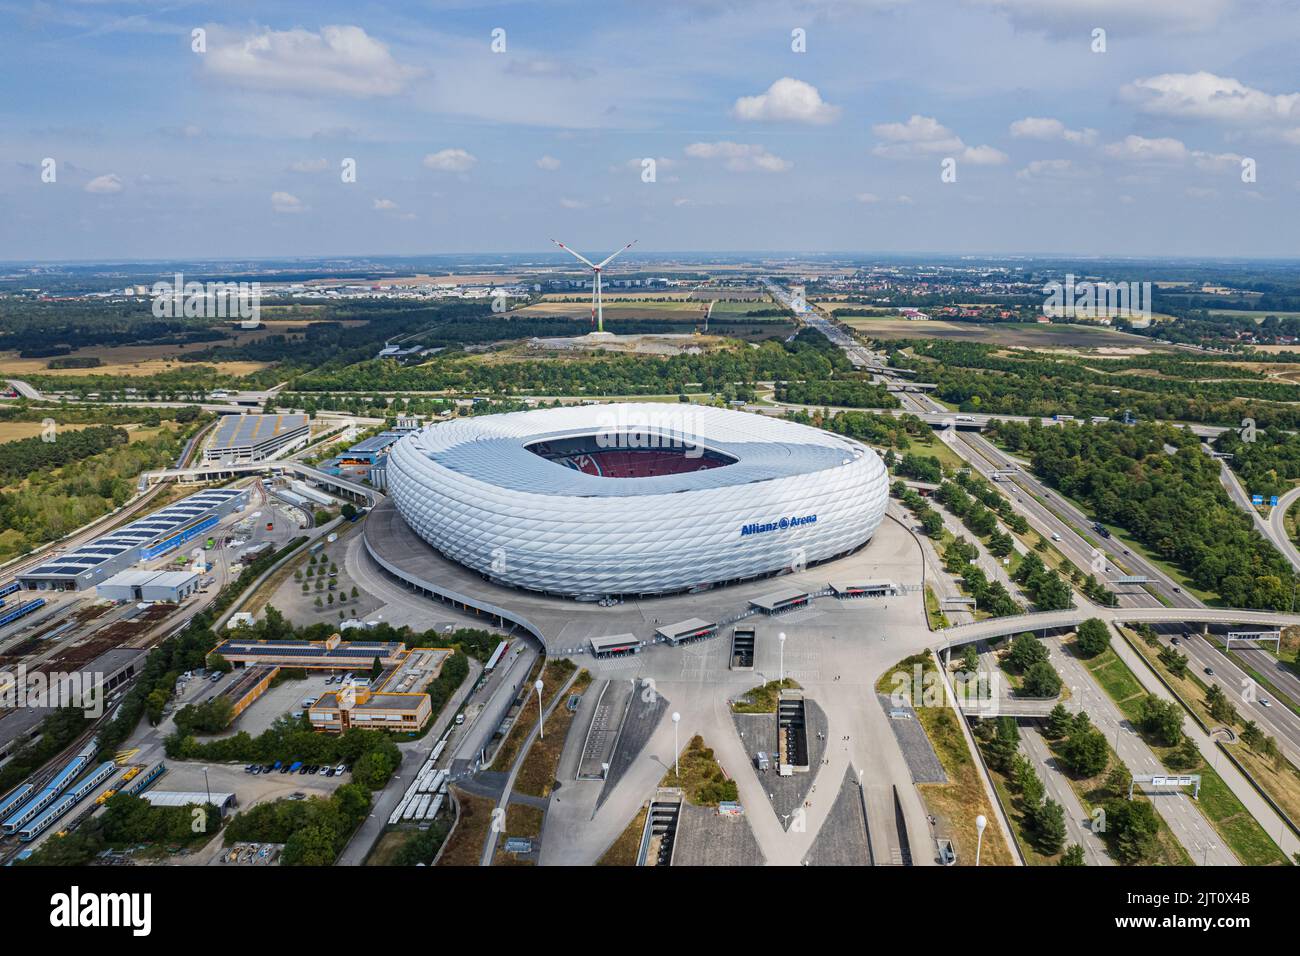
pixel 597 309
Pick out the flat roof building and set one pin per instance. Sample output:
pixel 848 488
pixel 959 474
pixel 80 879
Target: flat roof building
pixel 245 438
pixel 405 713
pixel 693 629
pixel 616 644
pixel 157 534
pixel 141 585
pixel 334 653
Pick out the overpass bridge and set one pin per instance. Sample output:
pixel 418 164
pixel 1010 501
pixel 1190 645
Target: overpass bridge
pixel 217 471
pixel 1070 619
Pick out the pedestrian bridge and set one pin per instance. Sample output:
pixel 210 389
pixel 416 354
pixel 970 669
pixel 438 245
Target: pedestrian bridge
pixel 217 471
pixel 1070 619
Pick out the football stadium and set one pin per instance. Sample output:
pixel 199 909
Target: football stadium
pixel 633 499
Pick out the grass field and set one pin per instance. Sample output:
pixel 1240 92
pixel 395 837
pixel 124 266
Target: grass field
pixel 1024 334
pixel 537 773
pixel 465 845
pixel 762 699
pixel 623 851
pixel 15 431
pixel 128 361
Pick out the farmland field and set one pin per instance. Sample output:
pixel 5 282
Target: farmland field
pixel 1029 335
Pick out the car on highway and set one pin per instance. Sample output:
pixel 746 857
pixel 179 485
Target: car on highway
pixel 1265 702
pixel 1210 671
pixel 1173 641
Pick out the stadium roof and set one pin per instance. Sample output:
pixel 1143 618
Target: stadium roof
pixel 495 448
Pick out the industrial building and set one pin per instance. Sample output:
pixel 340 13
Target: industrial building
pixel 246 438
pixel 362 460
pixel 389 703
pixel 161 532
pixel 334 653
pixel 186 798
pixel 370 710
pixel 140 585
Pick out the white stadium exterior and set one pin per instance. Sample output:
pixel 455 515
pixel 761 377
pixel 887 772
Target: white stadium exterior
pixel 635 499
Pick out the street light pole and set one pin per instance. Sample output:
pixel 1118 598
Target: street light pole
pixel 541 727
pixel 780 674
pixel 206 786
pixel 677 749
pixel 980 823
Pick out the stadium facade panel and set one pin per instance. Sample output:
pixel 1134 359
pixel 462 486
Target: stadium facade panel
pixel 635 498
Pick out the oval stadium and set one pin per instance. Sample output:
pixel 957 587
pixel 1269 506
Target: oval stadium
pixel 635 499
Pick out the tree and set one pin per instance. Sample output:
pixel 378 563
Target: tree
pixel 1085 752
pixel 1175 662
pixel 1073 856
pixel 1252 736
pixel 970 661
pixel 1093 637
pixel 1048 823
pixel 1133 826
pixel 1041 680
pixel 1058 723
pixel 1025 651
pixel 932 524
pixel 1162 719
pixel 1221 709
pixel 310 846
pixel 376 668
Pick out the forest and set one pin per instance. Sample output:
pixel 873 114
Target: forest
pixel 1171 503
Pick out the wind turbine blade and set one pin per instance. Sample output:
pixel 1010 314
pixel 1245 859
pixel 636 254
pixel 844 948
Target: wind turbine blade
pixel 611 257
pixel 576 255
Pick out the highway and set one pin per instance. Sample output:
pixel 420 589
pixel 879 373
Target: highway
pixel 1160 602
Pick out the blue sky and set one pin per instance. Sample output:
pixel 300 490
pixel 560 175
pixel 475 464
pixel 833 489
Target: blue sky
pixel 160 151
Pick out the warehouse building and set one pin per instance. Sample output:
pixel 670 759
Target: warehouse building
pixel 246 438
pixel 160 533
pixel 334 653
pixel 140 585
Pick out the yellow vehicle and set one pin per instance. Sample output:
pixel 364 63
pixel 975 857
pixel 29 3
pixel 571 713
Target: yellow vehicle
pixel 130 774
pixel 103 797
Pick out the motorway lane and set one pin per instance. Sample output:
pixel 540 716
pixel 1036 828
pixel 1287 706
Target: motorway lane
pixel 1188 824
pixel 1077 821
pixel 1233 681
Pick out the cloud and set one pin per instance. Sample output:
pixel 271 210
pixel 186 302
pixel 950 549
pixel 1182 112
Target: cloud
pixel 1216 162
pixel 309 166
pixel 108 183
pixel 1040 127
pixel 786 100
pixel 385 205
pixel 337 60
pixel 548 163
pixel 1051 169
pixel 1140 149
pixel 574 203
pixel 1208 96
pixel 451 161
pixel 926 136
pixel 286 202
pixel 740 157
pixel 1068 18
pixel 868 197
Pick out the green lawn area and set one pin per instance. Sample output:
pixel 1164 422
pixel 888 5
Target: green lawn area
pixel 623 851
pixel 702 779
pixel 762 699
pixel 934 617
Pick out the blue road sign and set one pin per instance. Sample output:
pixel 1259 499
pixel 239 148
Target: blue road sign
pixel 1256 499
pixel 1273 501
